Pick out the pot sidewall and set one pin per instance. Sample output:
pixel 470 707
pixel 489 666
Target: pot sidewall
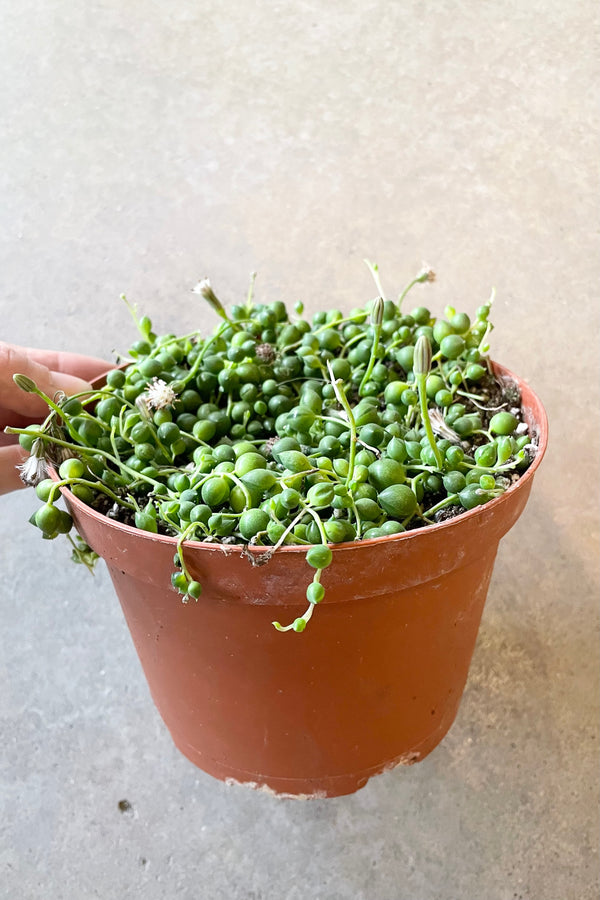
pixel 374 681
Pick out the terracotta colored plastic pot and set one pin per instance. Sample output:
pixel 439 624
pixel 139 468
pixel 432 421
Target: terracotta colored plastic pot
pixel 376 679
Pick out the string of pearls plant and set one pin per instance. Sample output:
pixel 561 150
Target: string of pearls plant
pixel 278 430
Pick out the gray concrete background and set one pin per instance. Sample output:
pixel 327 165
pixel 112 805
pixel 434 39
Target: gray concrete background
pixel 145 145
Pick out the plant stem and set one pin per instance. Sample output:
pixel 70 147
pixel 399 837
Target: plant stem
pixel 287 531
pixel 95 485
pixel 410 285
pixel 421 379
pixel 250 297
pixel 80 555
pixel 183 537
pixel 450 500
pixel 425 274
pixel 93 451
pixel 338 387
pixel 317 519
pixel 374 270
pixel 372 359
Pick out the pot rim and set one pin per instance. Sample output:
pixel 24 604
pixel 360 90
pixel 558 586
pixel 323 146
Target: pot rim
pixel 541 424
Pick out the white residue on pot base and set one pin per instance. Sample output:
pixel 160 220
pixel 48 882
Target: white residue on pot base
pixel 407 759
pixel 281 795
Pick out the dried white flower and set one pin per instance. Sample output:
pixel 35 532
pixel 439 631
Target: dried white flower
pixel 440 427
pixel 204 288
pixel 426 274
pixel 159 394
pixel 33 470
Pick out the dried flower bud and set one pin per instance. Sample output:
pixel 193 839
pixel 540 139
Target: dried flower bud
pixel 426 274
pixel 422 356
pixel 205 290
pixel 377 312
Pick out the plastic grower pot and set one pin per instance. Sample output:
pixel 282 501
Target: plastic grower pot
pixel 376 679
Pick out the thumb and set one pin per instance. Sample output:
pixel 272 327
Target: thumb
pixel 50 383
pixel 15 360
pixel 10 458
pixel 62 381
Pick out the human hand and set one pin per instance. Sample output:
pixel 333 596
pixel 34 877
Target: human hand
pixel 52 371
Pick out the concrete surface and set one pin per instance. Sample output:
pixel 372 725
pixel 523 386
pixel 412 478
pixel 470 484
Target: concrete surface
pixel 145 145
